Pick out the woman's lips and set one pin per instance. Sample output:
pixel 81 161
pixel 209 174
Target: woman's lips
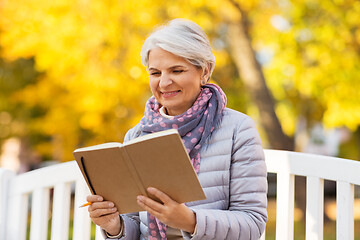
pixel 169 94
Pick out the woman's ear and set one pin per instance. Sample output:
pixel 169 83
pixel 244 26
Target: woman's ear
pixel 205 78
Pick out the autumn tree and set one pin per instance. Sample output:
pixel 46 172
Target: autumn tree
pixel 90 86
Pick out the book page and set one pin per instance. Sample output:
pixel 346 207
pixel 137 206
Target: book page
pixel 99 146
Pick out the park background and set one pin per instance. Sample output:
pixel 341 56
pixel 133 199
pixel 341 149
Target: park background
pixel 71 76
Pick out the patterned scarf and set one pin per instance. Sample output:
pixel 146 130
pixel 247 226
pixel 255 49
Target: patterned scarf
pixel 194 126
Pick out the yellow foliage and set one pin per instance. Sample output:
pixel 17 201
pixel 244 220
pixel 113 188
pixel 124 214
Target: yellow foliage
pixel 88 59
pixel 90 120
pixel 340 115
pixel 93 88
pixel 287 118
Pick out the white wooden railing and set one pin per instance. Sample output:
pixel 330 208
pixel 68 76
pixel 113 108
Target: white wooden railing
pixel 316 168
pixel 37 187
pixel 62 180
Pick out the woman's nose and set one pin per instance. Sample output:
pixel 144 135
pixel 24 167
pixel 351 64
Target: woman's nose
pixel 165 81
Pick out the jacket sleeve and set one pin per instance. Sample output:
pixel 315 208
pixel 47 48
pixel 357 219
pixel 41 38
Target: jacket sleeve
pixel 246 216
pixel 131 226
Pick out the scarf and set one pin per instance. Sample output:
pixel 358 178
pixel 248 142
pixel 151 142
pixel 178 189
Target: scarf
pixel 194 126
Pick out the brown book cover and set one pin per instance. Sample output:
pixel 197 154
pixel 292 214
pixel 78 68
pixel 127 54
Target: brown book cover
pixel 121 172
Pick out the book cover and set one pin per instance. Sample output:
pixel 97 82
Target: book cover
pixel 121 172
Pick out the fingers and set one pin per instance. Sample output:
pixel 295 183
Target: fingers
pixel 97 202
pixel 152 206
pixel 170 213
pixel 149 205
pixel 102 212
pixel 146 203
pixel 99 207
pixel 160 195
pixel 94 198
pixel 104 204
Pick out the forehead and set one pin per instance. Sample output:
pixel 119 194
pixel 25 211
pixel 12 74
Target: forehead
pixel 159 58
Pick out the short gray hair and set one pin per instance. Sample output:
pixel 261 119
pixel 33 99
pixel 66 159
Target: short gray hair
pixel 183 38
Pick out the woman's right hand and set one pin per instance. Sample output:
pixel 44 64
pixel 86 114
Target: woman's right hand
pixel 104 214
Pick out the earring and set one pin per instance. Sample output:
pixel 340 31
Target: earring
pixel 203 82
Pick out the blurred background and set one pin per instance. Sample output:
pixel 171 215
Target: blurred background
pixel 71 76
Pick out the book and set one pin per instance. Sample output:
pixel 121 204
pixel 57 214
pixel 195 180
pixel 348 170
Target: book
pixel 121 172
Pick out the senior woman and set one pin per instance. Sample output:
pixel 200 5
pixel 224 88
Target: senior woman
pixel 223 144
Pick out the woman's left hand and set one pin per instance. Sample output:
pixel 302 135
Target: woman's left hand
pixel 171 213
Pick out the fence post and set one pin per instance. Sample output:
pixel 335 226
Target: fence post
pixel 5 177
pixel 344 210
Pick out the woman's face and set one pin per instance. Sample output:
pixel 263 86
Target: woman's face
pixel 174 81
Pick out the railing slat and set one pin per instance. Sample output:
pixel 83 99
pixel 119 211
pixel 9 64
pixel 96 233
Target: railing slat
pixel 5 178
pixel 285 206
pixel 98 235
pixel 314 208
pixel 344 210
pixel 82 224
pixel 16 221
pixel 61 212
pixel 39 214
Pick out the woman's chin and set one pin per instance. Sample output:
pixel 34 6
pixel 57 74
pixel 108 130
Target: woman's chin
pixel 174 111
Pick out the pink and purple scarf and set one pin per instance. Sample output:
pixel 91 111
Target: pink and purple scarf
pixel 194 126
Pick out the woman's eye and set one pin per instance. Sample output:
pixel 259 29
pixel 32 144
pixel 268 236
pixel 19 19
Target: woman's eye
pixel 155 73
pixel 178 71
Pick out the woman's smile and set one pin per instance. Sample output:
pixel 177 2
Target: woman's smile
pixel 170 94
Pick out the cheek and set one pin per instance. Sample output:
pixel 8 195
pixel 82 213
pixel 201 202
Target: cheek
pixel 153 85
pixel 195 86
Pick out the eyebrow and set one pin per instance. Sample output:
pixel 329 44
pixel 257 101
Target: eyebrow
pixel 172 67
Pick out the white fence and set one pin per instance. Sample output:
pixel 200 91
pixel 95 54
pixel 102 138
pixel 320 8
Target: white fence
pixel 54 186
pixel 316 168
pixel 37 187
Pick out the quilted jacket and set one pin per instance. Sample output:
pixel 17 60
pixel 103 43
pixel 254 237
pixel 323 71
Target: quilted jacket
pixel 233 176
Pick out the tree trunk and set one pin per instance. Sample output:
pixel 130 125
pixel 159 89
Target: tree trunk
pixel 254 80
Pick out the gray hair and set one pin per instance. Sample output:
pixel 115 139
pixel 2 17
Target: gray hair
pixel 183 38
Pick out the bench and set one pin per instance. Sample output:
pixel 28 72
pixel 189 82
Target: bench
pixel 42 201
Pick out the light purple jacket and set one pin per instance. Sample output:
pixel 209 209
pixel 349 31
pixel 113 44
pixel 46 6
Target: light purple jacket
pixel 233 176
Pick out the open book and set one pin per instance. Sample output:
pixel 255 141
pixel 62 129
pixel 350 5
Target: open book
pixel 121 172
